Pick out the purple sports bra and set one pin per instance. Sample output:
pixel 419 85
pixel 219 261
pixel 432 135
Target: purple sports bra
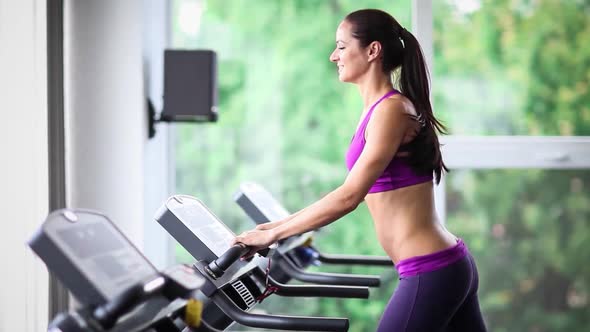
pixel 398 173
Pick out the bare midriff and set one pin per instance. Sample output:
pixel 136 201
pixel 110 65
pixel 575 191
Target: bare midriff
pixel 406 222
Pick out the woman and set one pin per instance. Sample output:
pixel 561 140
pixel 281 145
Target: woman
pixel 393 158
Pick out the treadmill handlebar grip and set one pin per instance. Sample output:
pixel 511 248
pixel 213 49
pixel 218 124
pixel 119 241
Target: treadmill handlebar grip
pixel 218 267
pixel 355 260
pixel 278 322
pixel 323 278
pixel 67 322
pixel 108 314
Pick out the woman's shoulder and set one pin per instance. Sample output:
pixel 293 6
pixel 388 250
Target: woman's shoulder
pixel 397 103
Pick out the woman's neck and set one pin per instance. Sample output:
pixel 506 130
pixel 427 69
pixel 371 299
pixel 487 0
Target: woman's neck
pixel 374 87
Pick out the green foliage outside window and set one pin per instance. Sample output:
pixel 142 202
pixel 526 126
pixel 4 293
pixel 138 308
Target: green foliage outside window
pixel 509 67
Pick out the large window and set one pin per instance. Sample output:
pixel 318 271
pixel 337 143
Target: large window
pixel 510 79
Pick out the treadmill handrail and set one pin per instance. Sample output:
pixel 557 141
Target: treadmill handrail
pixel 278 322
pixel 326 278
pixel 358 292
pixel 68 322
pixel 354 259
pixel 108 314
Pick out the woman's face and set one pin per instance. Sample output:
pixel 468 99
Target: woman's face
pixel 351 59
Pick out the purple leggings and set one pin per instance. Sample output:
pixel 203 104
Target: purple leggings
pixel 441 300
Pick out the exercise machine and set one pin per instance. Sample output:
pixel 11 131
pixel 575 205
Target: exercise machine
pixel 296 253
pixel 117 288
pixel 234 286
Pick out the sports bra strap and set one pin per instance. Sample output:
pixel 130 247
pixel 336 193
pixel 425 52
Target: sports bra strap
pixel 361 129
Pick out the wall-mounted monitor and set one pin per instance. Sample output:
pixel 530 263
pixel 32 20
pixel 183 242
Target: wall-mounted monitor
pixel 190 88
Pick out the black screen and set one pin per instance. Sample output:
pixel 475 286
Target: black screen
pixel 90 240
pixel 190 86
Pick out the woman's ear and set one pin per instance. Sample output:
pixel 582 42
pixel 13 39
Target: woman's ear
pixel 374 51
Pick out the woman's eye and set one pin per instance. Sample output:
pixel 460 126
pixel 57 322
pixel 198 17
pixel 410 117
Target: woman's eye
pixel 340 48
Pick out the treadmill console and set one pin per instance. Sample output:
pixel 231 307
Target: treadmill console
pixel 259 204
pixel 262 207
pixel 89 255
pixel 201 233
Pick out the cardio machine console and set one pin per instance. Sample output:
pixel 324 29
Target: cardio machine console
pixel 207 238
pixel 89 255
pixel 201 233
pixel 259 204
pixel 262 207
pixel 192 224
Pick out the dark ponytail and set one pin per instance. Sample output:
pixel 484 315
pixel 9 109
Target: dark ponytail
pixel 414 83
pixel 401 50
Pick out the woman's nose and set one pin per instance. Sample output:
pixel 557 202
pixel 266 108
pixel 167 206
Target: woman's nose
pixel 333 56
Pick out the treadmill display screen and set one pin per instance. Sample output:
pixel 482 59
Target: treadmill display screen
pixel 210 230
pixel 267 204
pixel 103 254
pixel 90 240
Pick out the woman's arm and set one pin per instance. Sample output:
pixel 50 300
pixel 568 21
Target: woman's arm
pixel 273 224
pixel 385 133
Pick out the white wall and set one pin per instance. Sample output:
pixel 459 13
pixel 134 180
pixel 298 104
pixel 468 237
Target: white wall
pixel 23 168
pixel 106 133
pixel 106 122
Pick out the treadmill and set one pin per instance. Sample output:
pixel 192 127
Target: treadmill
pixel 234 286
pixel 117 288
pixel 296 253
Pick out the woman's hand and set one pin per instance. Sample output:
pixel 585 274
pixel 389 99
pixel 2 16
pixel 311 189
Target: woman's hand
pixel 256 239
